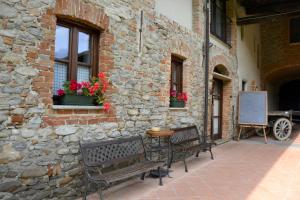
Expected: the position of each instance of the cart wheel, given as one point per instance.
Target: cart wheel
(282, 129)
(260, 132)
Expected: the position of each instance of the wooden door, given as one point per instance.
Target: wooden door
(217, 101)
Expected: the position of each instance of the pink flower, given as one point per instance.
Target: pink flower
(60, 92)
(173, 93)
(85, 84)
(106, 106)
(79, 86)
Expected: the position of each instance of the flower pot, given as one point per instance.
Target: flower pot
(78, 100)
(177, 104)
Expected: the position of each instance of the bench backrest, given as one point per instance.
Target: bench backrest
(112, 151)
(187, 134)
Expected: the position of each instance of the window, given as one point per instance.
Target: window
(75, 54)
(244, 84)
(176, 74)
(295, 30)
(220, 22)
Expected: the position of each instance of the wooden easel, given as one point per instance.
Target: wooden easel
(253, 126)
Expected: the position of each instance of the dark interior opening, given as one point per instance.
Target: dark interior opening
(289, 96)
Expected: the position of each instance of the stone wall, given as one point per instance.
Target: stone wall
(39, 156)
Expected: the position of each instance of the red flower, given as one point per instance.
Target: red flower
(60, 92)
(104, 87)
(179, 97)
(101, 75)
(106, 106)
(94, 88)
(184, 97)
(73, 85)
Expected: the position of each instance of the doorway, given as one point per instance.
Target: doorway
(217, 102)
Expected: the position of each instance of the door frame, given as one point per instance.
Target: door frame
(220, 128)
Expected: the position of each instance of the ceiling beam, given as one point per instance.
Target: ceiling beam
(275, 7)
(258, 18)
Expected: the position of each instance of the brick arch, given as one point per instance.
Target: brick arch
(221, 69)
(220, 62)
(281, 74)
(77, 10)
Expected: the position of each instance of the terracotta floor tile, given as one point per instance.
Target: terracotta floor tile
(245, 170)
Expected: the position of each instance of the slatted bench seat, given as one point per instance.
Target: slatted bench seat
(102, 161)
(187, 140)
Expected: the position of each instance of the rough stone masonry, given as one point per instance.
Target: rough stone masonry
(39, 145)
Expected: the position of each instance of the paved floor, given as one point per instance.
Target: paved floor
(245, 170)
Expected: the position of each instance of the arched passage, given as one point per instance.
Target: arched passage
(283, 85)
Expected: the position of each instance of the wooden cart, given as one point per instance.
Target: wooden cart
(280, 122)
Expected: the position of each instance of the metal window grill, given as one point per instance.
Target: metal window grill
(60, 75)
(83, 73)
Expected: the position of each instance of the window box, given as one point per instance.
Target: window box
(177, 104)
(78, 100)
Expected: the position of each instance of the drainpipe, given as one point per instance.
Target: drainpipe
(206, 63)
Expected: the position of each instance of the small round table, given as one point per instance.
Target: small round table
(162, 134)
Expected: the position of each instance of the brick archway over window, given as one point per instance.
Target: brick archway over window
(77, 10)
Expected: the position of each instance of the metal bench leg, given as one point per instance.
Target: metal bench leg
(160, 178)
(184, 162)
(143, 176)
(185, 166)
(85, 187)
(100, 193)
(211, 154)
(197, 154)
(171, 160)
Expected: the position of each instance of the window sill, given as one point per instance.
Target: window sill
(218, 39)
(71, 107)
(179, 109)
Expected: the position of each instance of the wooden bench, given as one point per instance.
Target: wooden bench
(187, 140)
(102, 161)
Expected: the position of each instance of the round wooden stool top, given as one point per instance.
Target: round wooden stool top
(161, 133)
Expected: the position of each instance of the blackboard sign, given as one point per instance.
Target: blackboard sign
(253, 108)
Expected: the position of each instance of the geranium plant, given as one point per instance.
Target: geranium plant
(178, 96)
(177, 99)
(94, 88)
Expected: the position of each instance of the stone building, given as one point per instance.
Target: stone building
(140, 45)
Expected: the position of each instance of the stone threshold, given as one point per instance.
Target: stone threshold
(71, 107)
(183, 109)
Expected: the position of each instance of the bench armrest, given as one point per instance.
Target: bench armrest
(91, 177)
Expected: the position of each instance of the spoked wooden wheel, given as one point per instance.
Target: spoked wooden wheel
(282, 129)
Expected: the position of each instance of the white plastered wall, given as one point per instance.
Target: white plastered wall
(179, 11)
(248, 54)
